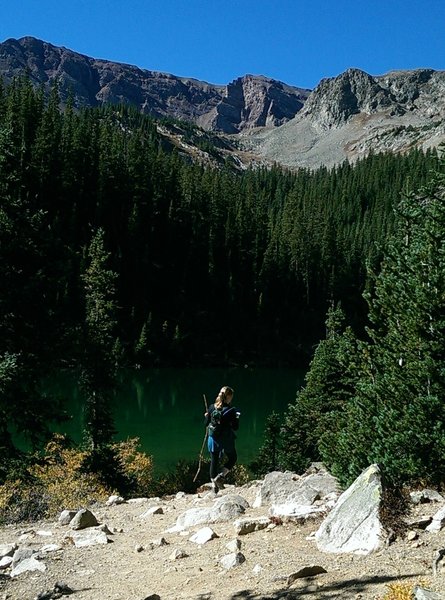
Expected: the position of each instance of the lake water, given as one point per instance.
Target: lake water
(165, 407)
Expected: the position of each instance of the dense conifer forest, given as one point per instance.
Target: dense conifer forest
(116, 250)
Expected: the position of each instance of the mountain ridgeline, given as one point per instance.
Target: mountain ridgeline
(344, 117)
(247, 102)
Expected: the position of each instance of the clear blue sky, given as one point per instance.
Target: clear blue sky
(298, 42)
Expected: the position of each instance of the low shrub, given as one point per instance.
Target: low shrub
(66, 477)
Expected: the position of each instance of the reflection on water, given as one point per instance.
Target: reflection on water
(165, 407)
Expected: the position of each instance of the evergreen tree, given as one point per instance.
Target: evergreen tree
(98, 364)
(397, 414)
(326, 389)
(268, 459)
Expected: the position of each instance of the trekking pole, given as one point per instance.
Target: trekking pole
(203, 443)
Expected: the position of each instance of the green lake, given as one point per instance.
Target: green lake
(165, 407)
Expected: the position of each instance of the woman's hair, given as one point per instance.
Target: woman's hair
(222, 396)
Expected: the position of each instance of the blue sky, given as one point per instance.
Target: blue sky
(298, 42)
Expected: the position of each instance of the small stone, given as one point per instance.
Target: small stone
(177, 554)
(84, 518)
(411, 536)
(309, 571)
(232, 560)
(66, 516)
(7, 549)
(234, 545)
(29, 564)
(112, 500)
(204, 535)
(160, 542)
(5, 562)
(138, 548)
(154, 510)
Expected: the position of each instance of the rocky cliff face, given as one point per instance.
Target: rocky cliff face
(334, 101)
(348, 116)
(253, 101)
(247, 102)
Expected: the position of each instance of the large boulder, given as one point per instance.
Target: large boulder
(303, 490)
(354, 525)
(224, 509)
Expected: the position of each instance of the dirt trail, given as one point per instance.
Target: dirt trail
(133, 566)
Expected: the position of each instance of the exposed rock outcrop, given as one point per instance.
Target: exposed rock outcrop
(347, 116)
(249, 101)
(254, 101)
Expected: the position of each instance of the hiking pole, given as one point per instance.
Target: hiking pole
(203, 443)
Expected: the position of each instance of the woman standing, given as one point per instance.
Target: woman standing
(222, 420)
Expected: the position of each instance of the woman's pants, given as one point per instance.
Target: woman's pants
(215, 460)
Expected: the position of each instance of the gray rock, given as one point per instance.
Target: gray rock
(309, 571)
(66, 516)
(50, 548)
(296, 511)
(113, 500)
(438, 521)
(104, 527)
(160, 542)
(420, 522)
(426, 495)
(288, 488)
(204, 535)
(60, 589)
(5, 562)
(234, 545)
(228, 507)
(192, 517)
(7, 549)
(84, 518)
(224, 509)
(354, 524)
(423, 594)
(177, 554)
(248, 525)
(88, 537)
(28, 564)
(232, 560)
(153, 510)
(22, 554)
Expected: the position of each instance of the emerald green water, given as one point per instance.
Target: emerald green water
(165, 407)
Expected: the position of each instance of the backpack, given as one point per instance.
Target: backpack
(215, 424)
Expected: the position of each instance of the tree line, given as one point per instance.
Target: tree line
(378, 397)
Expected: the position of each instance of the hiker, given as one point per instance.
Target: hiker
(222, 420)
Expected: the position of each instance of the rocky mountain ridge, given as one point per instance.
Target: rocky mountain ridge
(249, 101)
(348, 116)
(343, 118)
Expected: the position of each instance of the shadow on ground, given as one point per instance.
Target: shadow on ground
(339, 589)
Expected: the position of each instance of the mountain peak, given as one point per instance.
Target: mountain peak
(248, 102)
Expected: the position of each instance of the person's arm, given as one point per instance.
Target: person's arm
(234, 418)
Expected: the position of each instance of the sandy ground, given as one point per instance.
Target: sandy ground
(132, 568)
